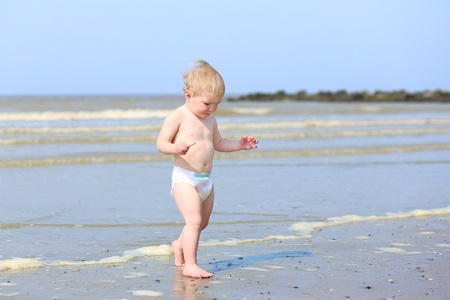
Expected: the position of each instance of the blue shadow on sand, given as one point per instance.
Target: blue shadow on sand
(250, 260)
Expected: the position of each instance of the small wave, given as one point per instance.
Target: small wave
(79, 140)
(109, 114)
(305, 229)
(80, 129)
(28, 263)
(331, 124)
(20, 263)
(225, 126)
(116, 114)
(260, 135)
(335, 134)
(45, 162)
(332, 152)
(245, 111)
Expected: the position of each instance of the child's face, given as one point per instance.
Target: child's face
(202, 105)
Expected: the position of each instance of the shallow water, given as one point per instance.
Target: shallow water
(81, 179)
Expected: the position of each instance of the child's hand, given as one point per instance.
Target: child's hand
(181, 148)
(248, 142)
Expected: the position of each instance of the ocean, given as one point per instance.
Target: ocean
(82, 183)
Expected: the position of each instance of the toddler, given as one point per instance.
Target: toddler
(190, 134)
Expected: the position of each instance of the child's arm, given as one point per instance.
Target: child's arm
(164, 143)
(226, 145)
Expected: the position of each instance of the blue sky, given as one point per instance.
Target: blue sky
(141, 46)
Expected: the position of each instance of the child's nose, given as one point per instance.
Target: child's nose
(213, 108)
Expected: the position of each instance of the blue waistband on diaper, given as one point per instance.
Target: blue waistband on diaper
(202, 175)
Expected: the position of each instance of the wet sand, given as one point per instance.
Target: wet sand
(393, 259)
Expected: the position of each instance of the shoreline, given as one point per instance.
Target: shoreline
(383, 259)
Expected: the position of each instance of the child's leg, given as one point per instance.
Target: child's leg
(178, 250)
(177, 247)
(207, 207)
(191, 207)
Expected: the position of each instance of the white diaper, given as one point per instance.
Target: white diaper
(202, 182)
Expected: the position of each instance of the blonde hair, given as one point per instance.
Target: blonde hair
(202, 77)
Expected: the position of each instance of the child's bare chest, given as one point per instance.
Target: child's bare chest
(196, 129)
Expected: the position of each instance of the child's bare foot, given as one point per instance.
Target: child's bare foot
(196, 271)
(178, 251)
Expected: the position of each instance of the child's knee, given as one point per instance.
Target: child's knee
(195, 222)
(204, 224)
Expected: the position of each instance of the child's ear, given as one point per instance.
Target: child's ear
(188, 94)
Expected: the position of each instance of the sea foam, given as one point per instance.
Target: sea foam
(148, 251)
(146, 293)
(305, 229)
(20, 263)
(28, 263)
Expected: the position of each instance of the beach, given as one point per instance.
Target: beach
(402, 259)
(339, 201)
